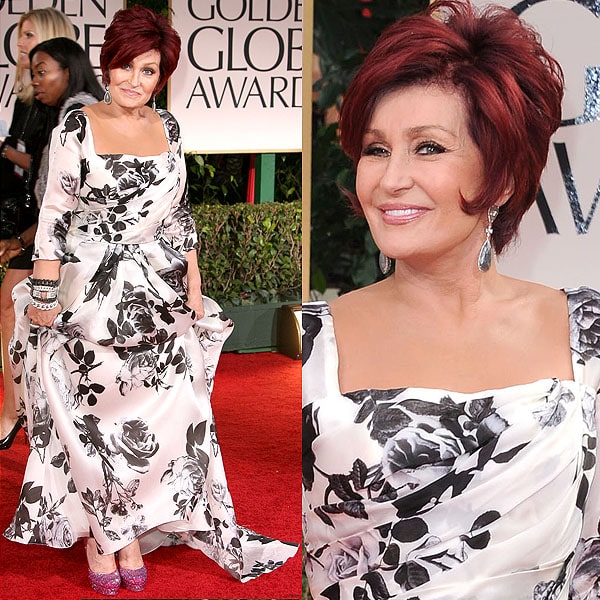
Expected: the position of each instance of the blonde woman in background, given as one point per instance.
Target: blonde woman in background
(20, 152)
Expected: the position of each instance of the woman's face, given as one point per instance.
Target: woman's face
(49, 79)
(27, 40)
(418, 160)
(132, 85)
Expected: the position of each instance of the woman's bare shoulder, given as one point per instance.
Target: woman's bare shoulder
(356, 300)
(531, 293)
(93, 110)
(534, 306)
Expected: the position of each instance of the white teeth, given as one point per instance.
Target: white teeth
(401, 212)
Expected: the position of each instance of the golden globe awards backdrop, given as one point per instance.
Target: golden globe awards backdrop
(559, 241)
(238, 86)
(90, 18)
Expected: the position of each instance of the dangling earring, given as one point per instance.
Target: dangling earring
(385, 263)
(107, 96)
(154, 103)
(484, 261)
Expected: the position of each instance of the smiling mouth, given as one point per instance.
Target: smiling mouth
(401, 216)
(402, 212)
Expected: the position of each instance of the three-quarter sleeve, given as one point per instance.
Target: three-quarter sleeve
(62, 192)
(179, 227)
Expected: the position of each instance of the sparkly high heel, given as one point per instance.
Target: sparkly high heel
(6, 442)
(105, 583)
(134, 580)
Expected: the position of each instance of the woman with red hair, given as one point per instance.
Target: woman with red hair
(115, 348)
(449, 434)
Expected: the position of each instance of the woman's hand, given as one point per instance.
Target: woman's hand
(194, 301)
(194, 284)
(44, 318)
(14, 246)
(9, 248)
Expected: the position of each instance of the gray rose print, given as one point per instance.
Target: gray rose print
(186, 474)
(135, 443)
(138, 368)
(584, 311)
(586, 580)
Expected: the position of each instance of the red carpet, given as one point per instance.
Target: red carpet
(256, 401)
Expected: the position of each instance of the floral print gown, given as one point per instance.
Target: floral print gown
(425, 494)
(115, 396)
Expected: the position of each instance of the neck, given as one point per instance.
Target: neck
(443, 288)
(135, 113)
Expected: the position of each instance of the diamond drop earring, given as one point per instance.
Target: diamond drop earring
(154, 103)
(385, 263)
(107, 96)
(484, 260)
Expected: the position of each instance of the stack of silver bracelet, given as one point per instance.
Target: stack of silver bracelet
(44, 293)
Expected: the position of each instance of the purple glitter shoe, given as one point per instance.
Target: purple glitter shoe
(105, 583)
(134, 580)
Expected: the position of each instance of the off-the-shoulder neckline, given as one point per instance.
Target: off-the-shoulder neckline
(542, 382)
(138, 156)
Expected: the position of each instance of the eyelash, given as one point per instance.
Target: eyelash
(437, 148)
(433, 148)
(146, 71)
(374, 150)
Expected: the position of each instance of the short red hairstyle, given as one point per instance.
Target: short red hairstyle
(511, 86)
(134, 31)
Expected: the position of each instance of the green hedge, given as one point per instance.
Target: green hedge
(250, 253)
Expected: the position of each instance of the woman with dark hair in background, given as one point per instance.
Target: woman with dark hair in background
(62, 77)
(28, 134)
(449, 434)
(115, 348)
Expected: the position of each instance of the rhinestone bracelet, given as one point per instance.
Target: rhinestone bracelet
(43, 305)
(45, 300)
(44, 296)
(45, 282)
(42, 290)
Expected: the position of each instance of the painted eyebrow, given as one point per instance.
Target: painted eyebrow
(414, 131)
(426, 128)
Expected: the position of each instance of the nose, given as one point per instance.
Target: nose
(397, 175)
(135, 77)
